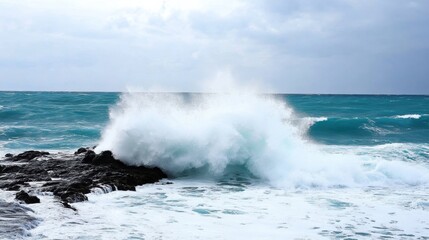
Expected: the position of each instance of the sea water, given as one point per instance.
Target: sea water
(242, 165)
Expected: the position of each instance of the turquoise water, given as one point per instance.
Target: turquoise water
(366, 120)
(39, 120)
(61, 121)
(241, 166)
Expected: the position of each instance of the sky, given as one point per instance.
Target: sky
(294, 46)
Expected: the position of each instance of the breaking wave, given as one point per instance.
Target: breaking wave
(410, 116)
(213, 134)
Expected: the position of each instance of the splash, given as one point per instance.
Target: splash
(259, 134)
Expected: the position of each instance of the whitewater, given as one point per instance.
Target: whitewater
(246, 132)
(241, 165)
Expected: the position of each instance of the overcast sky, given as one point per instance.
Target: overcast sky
(294, 46)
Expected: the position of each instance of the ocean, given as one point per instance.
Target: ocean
(242, 165)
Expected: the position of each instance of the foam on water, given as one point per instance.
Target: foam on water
(239, 210)
(411, 116)
(15, 219)
(258, 134)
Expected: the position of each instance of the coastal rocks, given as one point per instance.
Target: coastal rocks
(26, 198)
(105, 157)
(81, 150)
(12, 185)
(28, 155)
(89, 155)
(69, 177)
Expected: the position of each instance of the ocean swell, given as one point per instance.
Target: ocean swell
(366, 130)
(213, 133)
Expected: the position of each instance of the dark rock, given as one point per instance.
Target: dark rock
(81, 150)
(12, 185)
(51, 183)
(76, 175)
(89, 156)
(8, 155)
(67, 205)
(8, 168)
(14, 188)
(25, 197)
(73, 197)
(28, 155)
(105, 157)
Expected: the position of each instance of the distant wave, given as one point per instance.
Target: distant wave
(11, 114)
(393, 151)
(409, 116)
(371, 128)
(218, 133)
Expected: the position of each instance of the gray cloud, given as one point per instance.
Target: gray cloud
(308, 46)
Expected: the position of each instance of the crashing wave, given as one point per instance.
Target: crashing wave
(213, 133)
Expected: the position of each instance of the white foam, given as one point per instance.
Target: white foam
(397, 152)
(409, 116)
(307, 122)
(253, 131)
(204, 210)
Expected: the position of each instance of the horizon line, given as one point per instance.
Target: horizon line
(196, 92)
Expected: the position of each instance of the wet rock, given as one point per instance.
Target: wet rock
(73, 197)
(105, 157)
(28, 155)
(25, 197)
(8, 168)
(12, 185)
(81, 150)
(14, 188)
(70, 177)
(67, 205)
(89, 156)
(8, 155)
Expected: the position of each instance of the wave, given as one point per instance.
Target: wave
(408, 152)
(409, 116)
(307, 122)
(218, 133)
(7, 114)
(349, 129)
(365, 130)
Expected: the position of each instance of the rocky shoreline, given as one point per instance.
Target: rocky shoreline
(69, 177)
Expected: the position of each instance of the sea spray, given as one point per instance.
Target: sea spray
(210, 133)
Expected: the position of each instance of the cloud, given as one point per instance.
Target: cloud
(334, 46)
